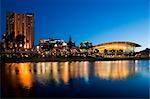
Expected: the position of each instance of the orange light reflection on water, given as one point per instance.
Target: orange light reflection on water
(64, 71)
(22, 73)
(113, 69)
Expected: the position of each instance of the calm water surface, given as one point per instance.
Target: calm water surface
(128, 79)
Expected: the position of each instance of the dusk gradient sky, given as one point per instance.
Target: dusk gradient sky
(97, 21)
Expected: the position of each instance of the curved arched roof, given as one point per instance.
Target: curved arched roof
(130, 43)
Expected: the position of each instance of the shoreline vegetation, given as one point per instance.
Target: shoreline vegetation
(64, 59)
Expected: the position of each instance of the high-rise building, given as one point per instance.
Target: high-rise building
(21, 25)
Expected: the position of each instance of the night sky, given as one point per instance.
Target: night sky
(97, 21)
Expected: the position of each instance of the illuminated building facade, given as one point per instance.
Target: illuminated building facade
(116, 47)
(21, 25)
(47, 44)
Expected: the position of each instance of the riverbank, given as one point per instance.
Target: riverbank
(63, 59)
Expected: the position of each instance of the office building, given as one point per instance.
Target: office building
(20, 26)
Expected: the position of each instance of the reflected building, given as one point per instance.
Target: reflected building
(20, 72)
(114, 69)
(55, 73)
(63, 72)
(43, 72)
(25, 75)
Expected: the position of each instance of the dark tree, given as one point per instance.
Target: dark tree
(105, 51)
(20, 40)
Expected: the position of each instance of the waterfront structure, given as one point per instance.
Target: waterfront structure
(114, 48)
(20, 29)
(47, 44)
(57, 47)
(86, 48)
(52, 47)
(85, 45)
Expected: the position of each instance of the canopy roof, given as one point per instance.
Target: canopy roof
(129, 43)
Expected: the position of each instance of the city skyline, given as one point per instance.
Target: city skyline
(74, 48)
(85, 21)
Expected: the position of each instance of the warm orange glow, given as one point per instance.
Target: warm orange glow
(55, 74)
(112, 70)
(125, 46)
(23, 70)
(65, 73)
(23, 24)
(25, 76)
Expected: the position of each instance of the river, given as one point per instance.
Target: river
(99, 79)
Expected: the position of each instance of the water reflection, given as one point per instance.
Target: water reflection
(62, 72)
(65, 72)
(115, 69)
(20, 72)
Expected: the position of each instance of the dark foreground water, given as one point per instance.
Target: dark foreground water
(105, 79)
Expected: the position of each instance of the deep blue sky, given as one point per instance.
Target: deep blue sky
(98, 21)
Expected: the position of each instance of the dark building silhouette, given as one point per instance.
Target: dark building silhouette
(70, 43)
